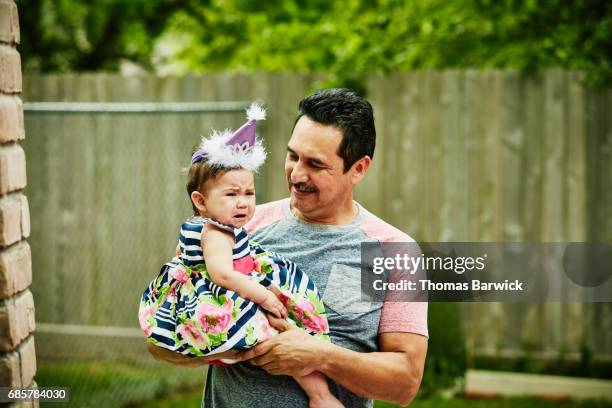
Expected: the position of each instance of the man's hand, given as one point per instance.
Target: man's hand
(392, 374)
(293, 352)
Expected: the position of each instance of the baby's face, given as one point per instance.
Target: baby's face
(230, 198)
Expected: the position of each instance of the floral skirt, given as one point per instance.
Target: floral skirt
(183, 310)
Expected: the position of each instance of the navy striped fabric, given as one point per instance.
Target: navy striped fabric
(190, 240)
(167, 310)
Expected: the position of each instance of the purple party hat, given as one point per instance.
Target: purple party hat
(240, 149)
(244, 137)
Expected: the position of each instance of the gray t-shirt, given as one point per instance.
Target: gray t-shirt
(331, 256)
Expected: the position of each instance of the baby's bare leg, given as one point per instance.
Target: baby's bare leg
(315, 386)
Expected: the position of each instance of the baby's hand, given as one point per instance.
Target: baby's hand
(274, 306)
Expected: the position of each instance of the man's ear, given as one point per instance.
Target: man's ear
(360, 168)
(199, 201)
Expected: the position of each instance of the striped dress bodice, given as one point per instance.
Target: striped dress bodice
(190, 241)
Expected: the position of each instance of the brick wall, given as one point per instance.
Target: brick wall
(17, 356)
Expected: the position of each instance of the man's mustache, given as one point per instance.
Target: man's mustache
(303, 186)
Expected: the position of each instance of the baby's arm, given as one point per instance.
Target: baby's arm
(217, 248)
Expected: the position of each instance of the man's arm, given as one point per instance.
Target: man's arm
(392, 374)
(162, 354)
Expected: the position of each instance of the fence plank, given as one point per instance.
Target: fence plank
(408, 195)
(369, 191)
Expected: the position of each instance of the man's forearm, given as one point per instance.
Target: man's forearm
(184, 361)
(174, 358)
(393, 374)
(388, 375)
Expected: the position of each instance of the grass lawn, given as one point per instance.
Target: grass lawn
(124, 384)
(498, 403)
(193, 400)
(115, 384)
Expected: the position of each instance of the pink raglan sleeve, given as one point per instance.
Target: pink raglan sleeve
(405, 317)
(265, 214)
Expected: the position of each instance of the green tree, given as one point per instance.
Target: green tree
(353, 38)
(348, 39)
(76, 35)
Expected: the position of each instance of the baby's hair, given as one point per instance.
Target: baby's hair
(198, 174)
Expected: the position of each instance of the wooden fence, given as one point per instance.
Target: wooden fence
(461, 156)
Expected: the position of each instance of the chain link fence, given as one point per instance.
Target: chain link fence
(106, 188)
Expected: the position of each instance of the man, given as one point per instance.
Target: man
(378, 348)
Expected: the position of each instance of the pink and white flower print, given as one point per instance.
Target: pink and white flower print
(193, 336)
(215, 319)
(146, 318)
(180, 274)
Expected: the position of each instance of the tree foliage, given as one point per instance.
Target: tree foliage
(76, 35)
(348, 39)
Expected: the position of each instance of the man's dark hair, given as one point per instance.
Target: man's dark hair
(347, 111)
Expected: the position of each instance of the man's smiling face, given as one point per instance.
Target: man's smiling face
(320, 189)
